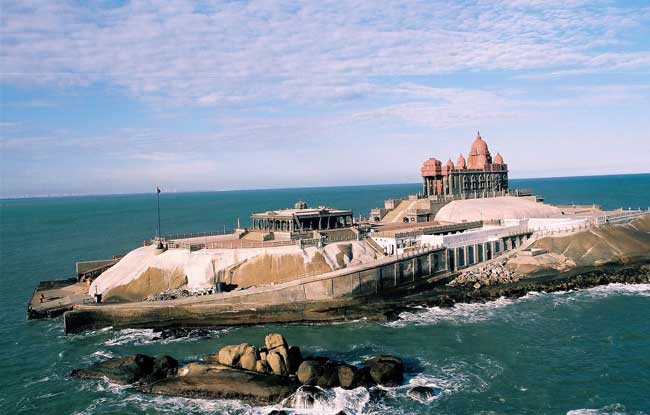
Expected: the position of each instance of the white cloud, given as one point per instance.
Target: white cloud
(184, 53)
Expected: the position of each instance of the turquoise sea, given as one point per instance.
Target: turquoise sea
(581, 352)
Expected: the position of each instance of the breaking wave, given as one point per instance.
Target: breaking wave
(614, 409)
(602, 291)
(461, 313)
(458, 313)
(148, 336)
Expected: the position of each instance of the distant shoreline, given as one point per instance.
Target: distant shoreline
(81, 195)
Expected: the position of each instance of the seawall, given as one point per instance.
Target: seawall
(317, 298)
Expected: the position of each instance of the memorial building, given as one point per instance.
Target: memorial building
(478, 176)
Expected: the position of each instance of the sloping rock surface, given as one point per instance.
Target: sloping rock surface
(216, 381)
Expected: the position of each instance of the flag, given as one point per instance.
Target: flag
(157, 189)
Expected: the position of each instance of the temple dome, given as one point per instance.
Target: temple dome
(479, 154)
(479, 146)
(431, 167)
(498, 159)
(450, 164)
(494, 208)
(460, 162)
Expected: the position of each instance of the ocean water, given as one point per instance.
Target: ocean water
(580, 352)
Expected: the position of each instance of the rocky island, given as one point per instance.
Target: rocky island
(466, 237)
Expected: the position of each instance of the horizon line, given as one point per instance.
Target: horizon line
(63, 195)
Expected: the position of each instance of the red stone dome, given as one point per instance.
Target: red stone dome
(460, 162)
(479, 146)
(479, 154)
(498, 159)
(450, 164)
(431, 167)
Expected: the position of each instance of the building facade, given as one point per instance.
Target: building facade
(478, 176)
(302, 218)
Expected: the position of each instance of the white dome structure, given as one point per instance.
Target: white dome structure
(495, 208)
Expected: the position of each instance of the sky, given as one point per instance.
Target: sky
(121, 96)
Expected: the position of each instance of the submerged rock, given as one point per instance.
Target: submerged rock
(130, 369)
(424, 393)
(177, 333)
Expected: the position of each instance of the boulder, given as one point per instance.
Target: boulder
(424, 393)
(284, 353)
(262, 367)
(231, 355)
(309, 371)
(276, 363)
(350, 377)
(329, 377)
(273, 340)
(386, 370)
(248, 359)
(130, 369)
(216, 381)
(294, 359)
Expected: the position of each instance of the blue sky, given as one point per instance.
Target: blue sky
(117, 97)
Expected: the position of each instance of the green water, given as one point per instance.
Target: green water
(583, 352)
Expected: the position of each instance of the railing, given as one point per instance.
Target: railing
(432, 229)
(383, 261)
(418, 211)
(195, 235)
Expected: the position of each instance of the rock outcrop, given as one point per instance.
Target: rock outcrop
(217, 381)
(259, 375)
(131, 369)
(276, 357)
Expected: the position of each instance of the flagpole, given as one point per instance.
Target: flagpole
(158, 203)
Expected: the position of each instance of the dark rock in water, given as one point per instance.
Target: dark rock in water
(177, 333)
(351, 377)
(386, 370)
(163, 366)
(309, 371)
(216, 381)
(277, 412)
(329, 377)
(294, 359)
(123, 371)
(307, 395)
(424, 393)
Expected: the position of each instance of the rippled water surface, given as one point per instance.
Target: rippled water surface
(580, 352)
